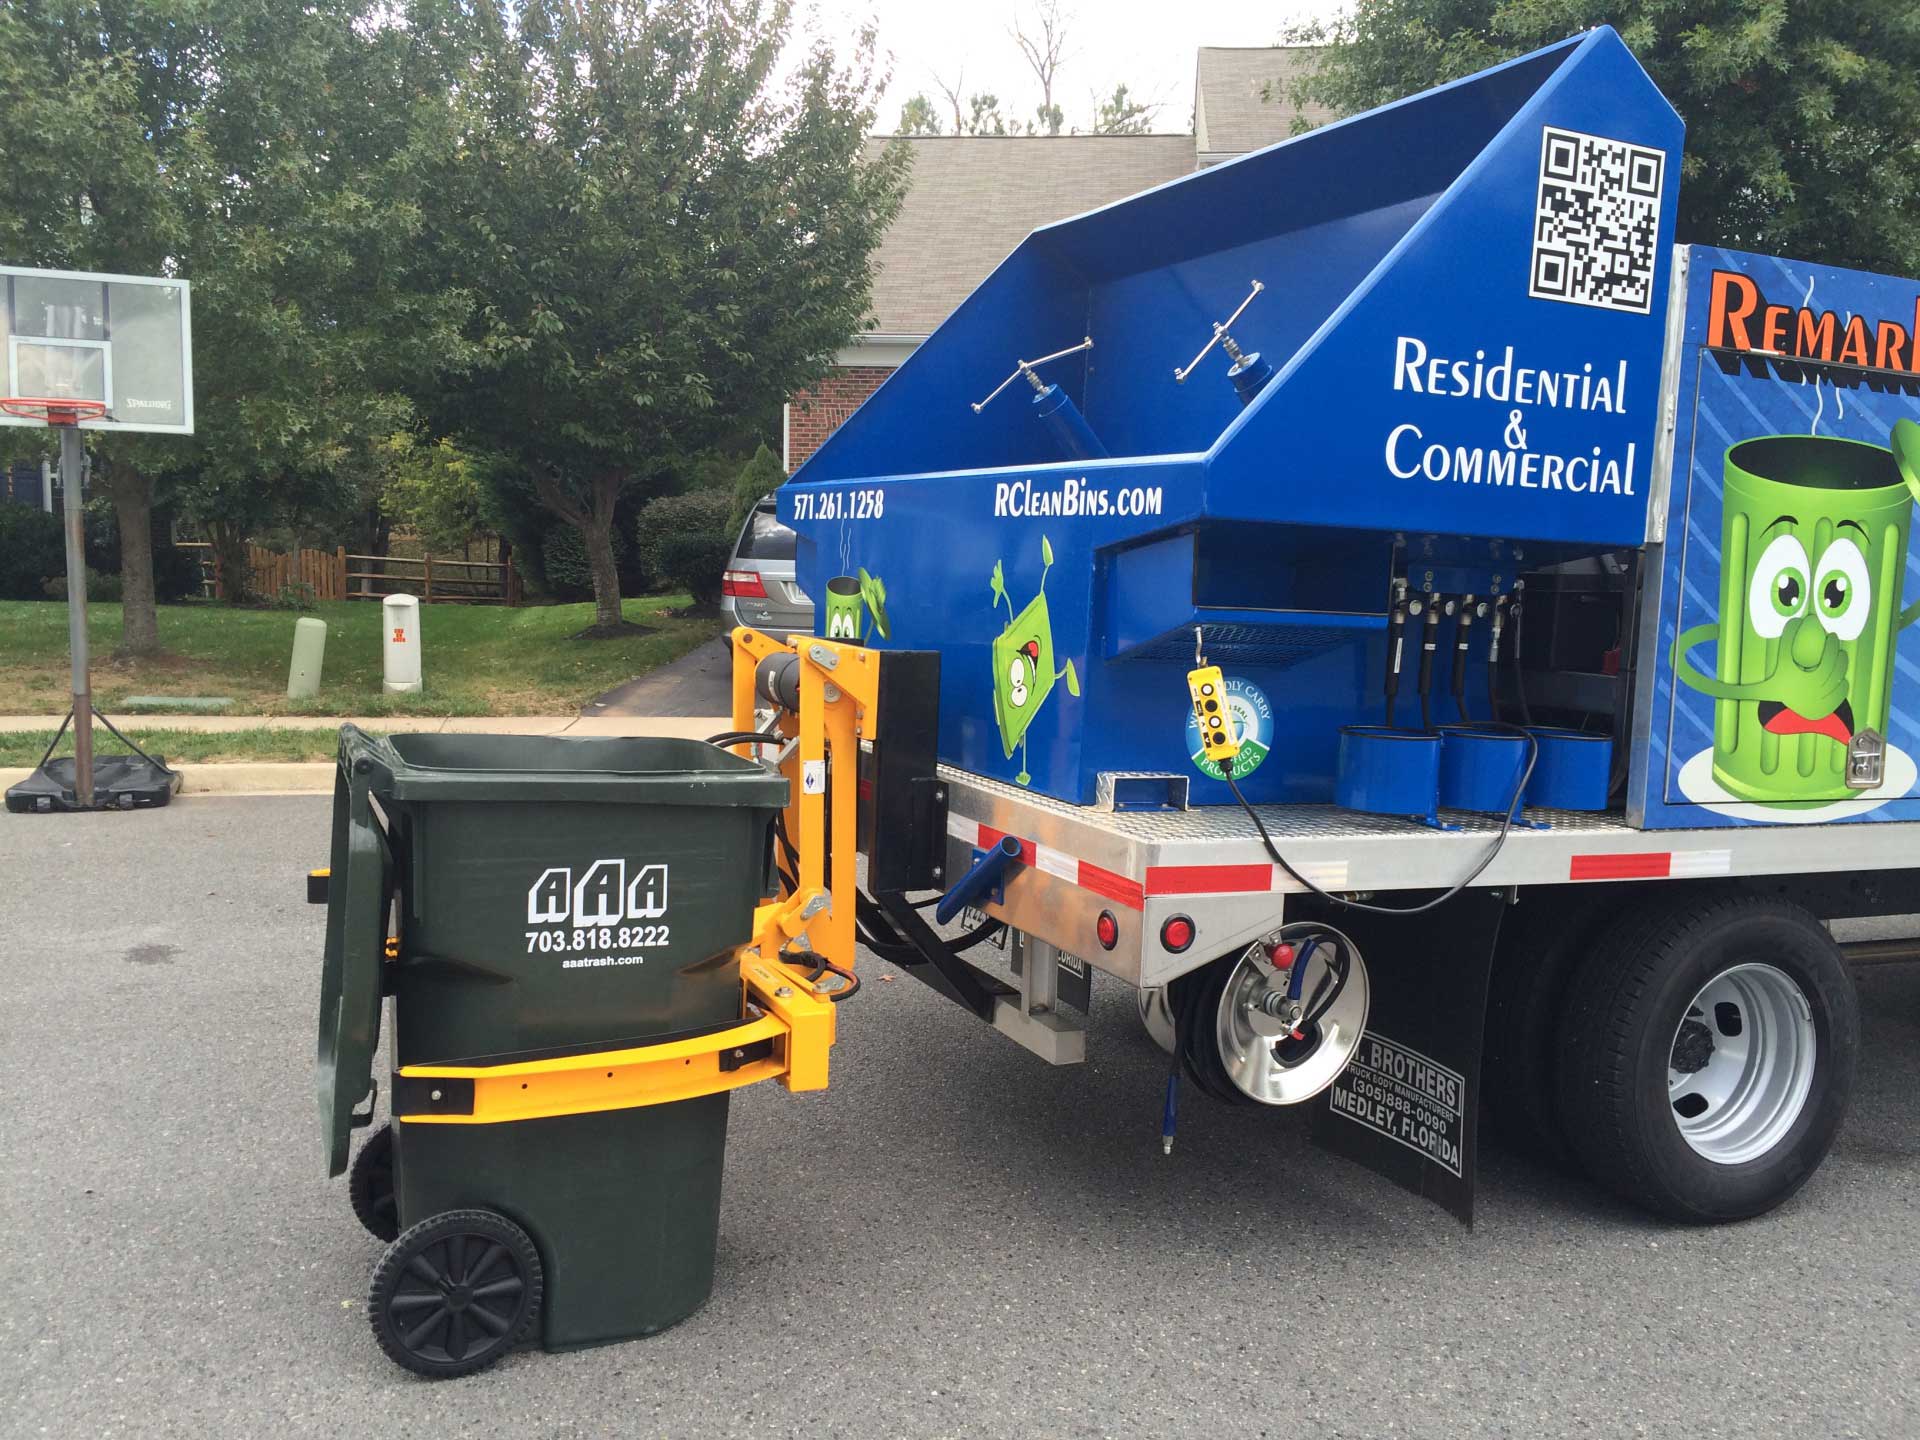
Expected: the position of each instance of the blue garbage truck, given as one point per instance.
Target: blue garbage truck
(1445, 644)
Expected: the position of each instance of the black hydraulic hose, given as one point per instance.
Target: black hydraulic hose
(1493, 850)
(743, 737)
(1520, 660)
(1462, 638)
(1493, 659)
(1429, 637)
(846, 992)
(1396, 635)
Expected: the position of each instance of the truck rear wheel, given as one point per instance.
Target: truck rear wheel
(1541, 944)
(1707, 1052)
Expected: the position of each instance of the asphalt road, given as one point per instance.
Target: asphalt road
(954, 1240)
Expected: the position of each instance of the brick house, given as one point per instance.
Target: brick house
(973, 198)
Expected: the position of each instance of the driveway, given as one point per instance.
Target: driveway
(698, 683)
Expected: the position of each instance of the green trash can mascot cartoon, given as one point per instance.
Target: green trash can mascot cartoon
(850, 600)
(1813, 553)
(1023, 672)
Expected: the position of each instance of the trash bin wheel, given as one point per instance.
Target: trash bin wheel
(455, 1293)
(370, 1186)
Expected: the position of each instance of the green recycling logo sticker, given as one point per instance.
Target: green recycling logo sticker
(1252, 716)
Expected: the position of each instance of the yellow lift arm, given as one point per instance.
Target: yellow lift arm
(788, 1024)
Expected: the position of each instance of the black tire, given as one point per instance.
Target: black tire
(1542, 941)
(456, 1277)
(370, 1186)
(1617, 1036)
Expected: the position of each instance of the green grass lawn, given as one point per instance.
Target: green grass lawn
(24, 748)
(476, 659)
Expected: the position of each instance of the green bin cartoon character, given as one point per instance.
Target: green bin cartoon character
(1023, 672)
(1813, 556)
(850, 600)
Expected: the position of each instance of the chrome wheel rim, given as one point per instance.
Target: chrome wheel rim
(1247, 1035)
(1741, 1064)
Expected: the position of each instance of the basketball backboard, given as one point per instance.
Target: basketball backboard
(125, 341)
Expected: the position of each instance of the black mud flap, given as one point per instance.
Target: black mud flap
(1408, 1106)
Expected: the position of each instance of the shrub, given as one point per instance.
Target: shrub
(563, 556)
(686, 540)
(32, 551)
(295, 595)
(693, 561)
(759, 478)
(104, 588)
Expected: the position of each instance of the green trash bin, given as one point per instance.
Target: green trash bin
(549, 897)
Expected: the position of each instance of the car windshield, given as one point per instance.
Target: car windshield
(765, 538)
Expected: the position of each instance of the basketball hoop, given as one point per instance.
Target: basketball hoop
(53, 411)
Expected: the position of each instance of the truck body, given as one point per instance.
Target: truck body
(1491, 448)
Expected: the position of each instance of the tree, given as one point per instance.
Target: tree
(759, 478)
(1801, 135)
(984, 117)
(1121, 114)
(434, 488)
(658, 237)
(272, 155)
(918, 117)
(951, 94)
(103, 171)
(1042, 41)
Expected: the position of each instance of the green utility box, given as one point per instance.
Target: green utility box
(527, 900)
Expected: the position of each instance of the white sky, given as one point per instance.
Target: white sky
(1149, 44)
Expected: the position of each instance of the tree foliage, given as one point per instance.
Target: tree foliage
(275, 156)
(658, 235)
(435, 489)
(759, 478)
(1802, 137)
(918, 117)
(1121, 114)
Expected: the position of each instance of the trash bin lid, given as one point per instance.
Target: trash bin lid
(602, 769)
(358, 894)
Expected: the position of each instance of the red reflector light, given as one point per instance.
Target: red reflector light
(743, 584)
(1108, 929)
(1177, 934)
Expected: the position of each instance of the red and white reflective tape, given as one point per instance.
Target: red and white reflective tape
(1088, 876)
(1651, 865)
(1161, 880)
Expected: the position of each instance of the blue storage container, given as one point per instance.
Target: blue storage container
(1383, 771)
(1480, 767)
(1573, 770)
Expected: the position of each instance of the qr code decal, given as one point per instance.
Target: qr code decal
(1597, 221)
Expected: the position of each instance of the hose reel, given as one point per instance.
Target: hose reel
(1255, 1028)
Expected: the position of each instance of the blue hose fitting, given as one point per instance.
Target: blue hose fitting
(984, 876)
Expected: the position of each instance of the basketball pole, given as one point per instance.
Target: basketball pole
(72, 462)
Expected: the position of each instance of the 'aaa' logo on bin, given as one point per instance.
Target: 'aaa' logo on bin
(601, 896)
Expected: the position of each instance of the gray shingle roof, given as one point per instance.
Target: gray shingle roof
(973, 198)
(1230, 110)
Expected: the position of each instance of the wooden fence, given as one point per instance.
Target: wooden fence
(339, 575)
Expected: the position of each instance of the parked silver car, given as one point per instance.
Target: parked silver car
(759, 589)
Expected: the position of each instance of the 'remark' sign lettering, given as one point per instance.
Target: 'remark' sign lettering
(1741, 318)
